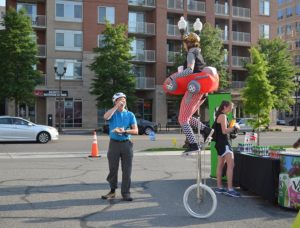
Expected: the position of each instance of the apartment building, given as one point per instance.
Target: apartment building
(2, 12)
(288, 17)
(71, 29)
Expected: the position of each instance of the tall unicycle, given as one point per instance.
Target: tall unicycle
(199, 200)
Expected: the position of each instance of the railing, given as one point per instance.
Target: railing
(172, 30)
(238, 84)
(142, 28)
(171, 56)
(147, 3)
(224, 35)
(240, 12)
(175, 4)
(221, 9)
(196, 6)
(239, 61)
(241, 36)
(145, 83)
(42, 51)
(144, 56)
(38, 20)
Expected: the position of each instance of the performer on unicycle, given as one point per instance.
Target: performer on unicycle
(191, 102)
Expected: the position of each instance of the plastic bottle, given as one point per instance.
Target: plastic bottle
(152, 136)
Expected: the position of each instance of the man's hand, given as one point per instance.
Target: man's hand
(119, 130)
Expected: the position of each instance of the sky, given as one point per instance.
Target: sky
(2, 2)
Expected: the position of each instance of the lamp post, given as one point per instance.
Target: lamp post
(197, 26)
(182, 24)
(60, 75)
(297, 82)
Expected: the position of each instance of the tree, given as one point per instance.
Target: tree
(258, 95)
(112, 67)
(213, 52)
(18, 51)
(281, 71)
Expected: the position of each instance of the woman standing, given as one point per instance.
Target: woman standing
(223, 147)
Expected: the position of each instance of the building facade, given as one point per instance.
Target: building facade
(67, 31)
(288, 17)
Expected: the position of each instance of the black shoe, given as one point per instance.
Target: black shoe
(192, 148)
(127, 198)
(110, 195)
(207, 133)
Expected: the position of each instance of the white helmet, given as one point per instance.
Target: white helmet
(118, 95)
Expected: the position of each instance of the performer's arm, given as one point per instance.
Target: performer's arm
(189, 69)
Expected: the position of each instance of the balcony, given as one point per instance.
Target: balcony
(143, 3)
(38, 21)
(171, 56)
(172, 30)
(43, 80)
(42, 51)
(175, 4)
(145, 83)
(195, 6)
(241, 37)
(239, 61)
(142, 28)
(224, 35)
(221, 9)
(241, 12)
(144, 56)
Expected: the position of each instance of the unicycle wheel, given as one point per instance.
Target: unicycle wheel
(200, 203)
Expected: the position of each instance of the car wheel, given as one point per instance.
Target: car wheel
(148, 130)
(43, 137)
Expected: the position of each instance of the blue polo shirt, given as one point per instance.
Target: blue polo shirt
(119, 119)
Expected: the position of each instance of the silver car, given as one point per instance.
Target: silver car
(19, 129)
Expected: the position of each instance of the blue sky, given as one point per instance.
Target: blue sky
(2, 2)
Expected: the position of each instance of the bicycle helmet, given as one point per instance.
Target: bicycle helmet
(191, 37)
(118, 95)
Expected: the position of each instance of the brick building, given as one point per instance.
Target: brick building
(67, 32)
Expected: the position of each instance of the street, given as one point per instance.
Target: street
(65, 192)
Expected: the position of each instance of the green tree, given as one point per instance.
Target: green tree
(258, 95)
(281, 71)
(112, 67)
(213, 52)
(18, 51)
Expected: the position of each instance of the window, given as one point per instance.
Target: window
(264, 7)
(68, 11)
(136, 22)
(280, 14)
(297, 43)
(297, 26)
(288, 29)
(289, 12)
(280, 30)
(71, 112)
(74, 69)
(298, 9)
(67, 40)
(264, 31)
(106, 13)
(297, 60)
(31, 9)
(101, 38)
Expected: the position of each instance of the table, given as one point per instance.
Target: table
(258, 175)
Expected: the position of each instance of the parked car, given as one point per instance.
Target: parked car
(244, 125)
(144, 126)
(281, 122)
(292, 122)
(19, 129)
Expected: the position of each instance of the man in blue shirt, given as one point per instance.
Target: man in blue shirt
(122, 124)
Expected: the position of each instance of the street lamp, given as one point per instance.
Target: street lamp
(182, 24)
(60, 75)
(197, 26)
(297, 82)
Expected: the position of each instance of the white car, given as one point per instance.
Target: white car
(19, 129)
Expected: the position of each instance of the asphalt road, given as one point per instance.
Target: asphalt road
(65, 192)
(83, 143)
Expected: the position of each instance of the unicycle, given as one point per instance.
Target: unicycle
(199, 200)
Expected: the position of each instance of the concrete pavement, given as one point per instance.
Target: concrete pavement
(65, 192)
